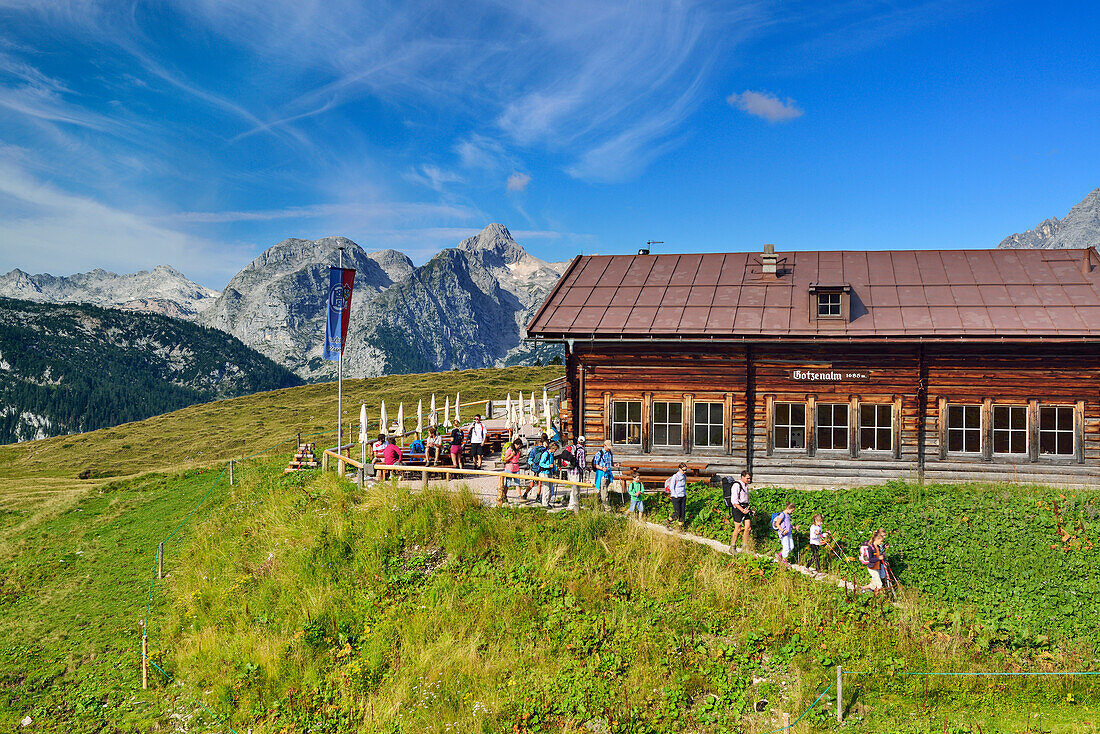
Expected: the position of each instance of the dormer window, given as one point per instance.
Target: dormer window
(830, 302)
(828, 305)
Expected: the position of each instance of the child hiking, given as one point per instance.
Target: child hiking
(781, 521)
(870, 555)
(817, 532)
(636, 490)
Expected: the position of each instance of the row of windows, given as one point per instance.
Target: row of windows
(668, 424)
(1011, 429)
(1011, 432)
(876, 426)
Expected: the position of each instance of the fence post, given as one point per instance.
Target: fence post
(840, 694)
(144, 661)
(230, 472)
(324, 462)
(786, 720)
(340, 470)
(424, 479)
(500, 491)
(160, 560)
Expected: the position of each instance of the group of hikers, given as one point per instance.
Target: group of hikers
(872, 553)
(548, 457)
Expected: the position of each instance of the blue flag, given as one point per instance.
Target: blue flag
(340, 282)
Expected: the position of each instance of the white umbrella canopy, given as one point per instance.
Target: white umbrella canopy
(419, 417)
(447, 410)
(534, 410)
(401, 419)
(508, 411)
(546, 410)
(457, 419)
(382, 422)
(432, 413)
(363, 437)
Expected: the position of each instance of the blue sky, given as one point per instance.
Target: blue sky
(198, 133)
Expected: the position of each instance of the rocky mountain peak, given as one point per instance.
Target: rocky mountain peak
(1079, 228)
(497, 243)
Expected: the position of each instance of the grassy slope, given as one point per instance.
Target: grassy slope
(390, 612)
(1024, 559)
(74, 582)
(225, 429)
(68, 621)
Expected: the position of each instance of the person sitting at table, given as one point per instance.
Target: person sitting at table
(433, 447)
(378, 447)
(391, 454)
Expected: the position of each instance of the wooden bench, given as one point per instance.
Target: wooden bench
(650, 472)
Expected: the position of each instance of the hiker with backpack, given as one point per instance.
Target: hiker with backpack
(676, 486)
(534, 461)
(576, 474)
(510, 459)
(871, 556)
(781, 522)
(738, 504)
(548, 463)
(602, 464)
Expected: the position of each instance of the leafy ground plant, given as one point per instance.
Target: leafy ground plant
(1020, 559)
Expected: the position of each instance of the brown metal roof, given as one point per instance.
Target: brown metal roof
(914, 293)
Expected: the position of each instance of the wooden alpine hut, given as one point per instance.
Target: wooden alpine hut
(837, 368)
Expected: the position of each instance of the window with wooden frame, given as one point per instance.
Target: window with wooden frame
(832, 426)
(789, 425)
(1010, 429)
(876, 427)
(707, 432)
(964, 429)
(668, 424)
(830, 302)
(626, 422)
(1056, 430)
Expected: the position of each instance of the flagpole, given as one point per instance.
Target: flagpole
(340, 385)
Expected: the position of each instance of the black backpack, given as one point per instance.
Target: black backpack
(595, 456)
(566, 457)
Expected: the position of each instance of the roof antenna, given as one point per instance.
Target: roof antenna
(645, 250)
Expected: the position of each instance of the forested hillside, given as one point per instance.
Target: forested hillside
(70, 368)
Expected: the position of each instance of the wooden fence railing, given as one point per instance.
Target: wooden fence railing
(381, 470)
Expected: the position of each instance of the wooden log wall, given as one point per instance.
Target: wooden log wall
(973, 374)
(715, 375)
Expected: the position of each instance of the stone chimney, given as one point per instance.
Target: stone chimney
(769, 262)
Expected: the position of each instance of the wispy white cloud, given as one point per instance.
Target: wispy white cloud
(766, 105)
(433, 177)
(389, 210)
(518, 181)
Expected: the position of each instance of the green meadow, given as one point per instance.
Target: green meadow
(297, 603)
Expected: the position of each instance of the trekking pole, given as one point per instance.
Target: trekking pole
(894, 585)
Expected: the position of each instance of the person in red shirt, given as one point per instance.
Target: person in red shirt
(391, 454)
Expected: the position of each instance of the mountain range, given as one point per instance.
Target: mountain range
(466, 307)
